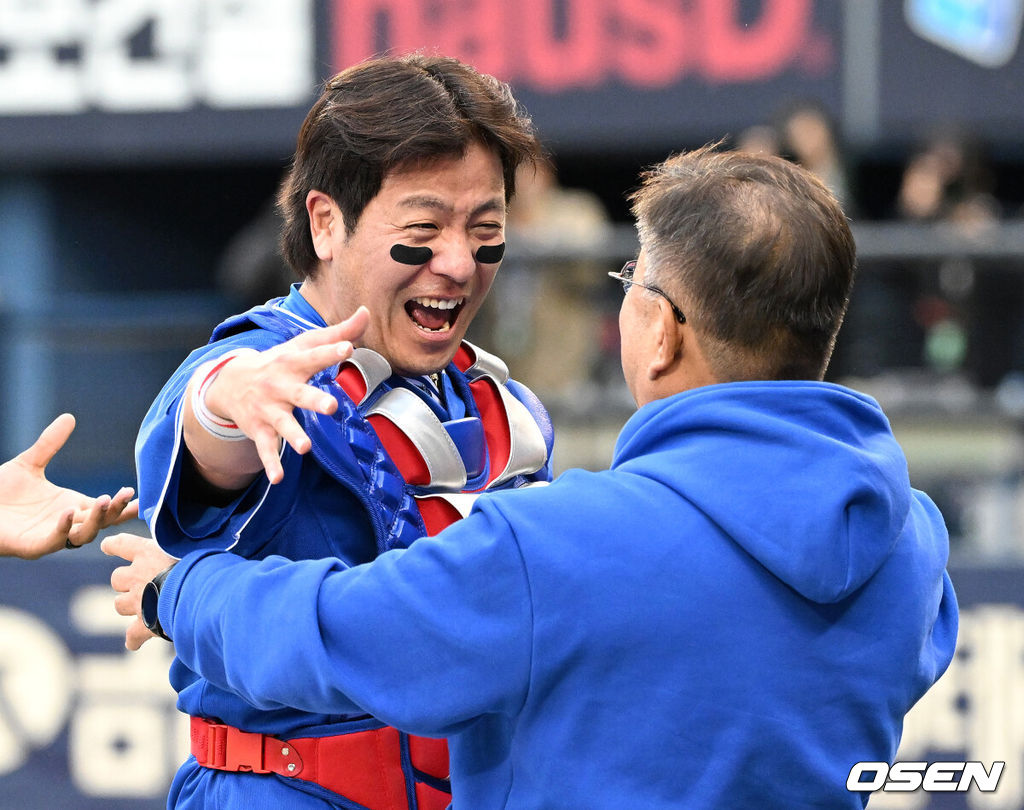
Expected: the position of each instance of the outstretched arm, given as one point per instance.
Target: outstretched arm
(237, 412)
(38, 517)
(453, 643)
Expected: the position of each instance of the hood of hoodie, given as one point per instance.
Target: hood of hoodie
(805, 476)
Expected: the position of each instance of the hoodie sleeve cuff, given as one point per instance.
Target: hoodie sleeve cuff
(173, 584)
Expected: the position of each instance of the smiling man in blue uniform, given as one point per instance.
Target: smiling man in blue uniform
(742, 607)
(349, 417)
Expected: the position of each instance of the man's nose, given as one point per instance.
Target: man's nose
(453, 257)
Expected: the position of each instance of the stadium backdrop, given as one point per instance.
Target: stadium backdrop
(133, 82)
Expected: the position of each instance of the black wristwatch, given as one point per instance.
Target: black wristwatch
(151, 601)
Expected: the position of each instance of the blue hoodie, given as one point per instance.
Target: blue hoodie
(746, 604)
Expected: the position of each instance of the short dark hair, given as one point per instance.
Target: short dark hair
(388, 113)
(760, 253)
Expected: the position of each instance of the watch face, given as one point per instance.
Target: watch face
(150, 604)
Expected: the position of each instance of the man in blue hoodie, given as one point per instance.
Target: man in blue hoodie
(745, 605)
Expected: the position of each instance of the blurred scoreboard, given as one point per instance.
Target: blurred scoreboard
(69, 56)
(122, 80)
(127, 80)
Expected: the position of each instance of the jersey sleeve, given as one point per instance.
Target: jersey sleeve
(175, 513)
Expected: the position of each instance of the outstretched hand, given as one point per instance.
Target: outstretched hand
(37, 517)
(146, 560)
(258, 391)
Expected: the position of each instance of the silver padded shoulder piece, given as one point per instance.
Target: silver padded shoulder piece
(486, 364)
(374, 368)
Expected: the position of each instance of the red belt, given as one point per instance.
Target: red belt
(363, 766)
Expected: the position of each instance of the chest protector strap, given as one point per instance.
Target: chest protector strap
(375, 769)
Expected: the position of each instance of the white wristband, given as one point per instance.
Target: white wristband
(201, 381)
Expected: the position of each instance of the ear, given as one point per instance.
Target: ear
(325, 220)
(668, 340)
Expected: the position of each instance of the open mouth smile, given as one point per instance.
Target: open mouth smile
(434, 314)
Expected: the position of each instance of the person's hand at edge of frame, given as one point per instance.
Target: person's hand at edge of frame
(38, 517)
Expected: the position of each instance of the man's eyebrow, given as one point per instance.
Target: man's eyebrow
(426, 201)
(496, 204)
(423, 201)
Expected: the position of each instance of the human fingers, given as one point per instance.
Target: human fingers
(60, 536)
(64, 524)
(136, 635)
(291, 431)
(128, 604)
(268, 448)
(131, 578)
(35, 546)
(128, 583)
(85, 529)
(131, 511)
(348, 330)
(321, 337)
(323, 347)
(309, 398)
(121, 507)
(356, 324)
(49, 442)
(125, 545)
(308, 361)
(273, 379)
(301, 357)
(147, 560)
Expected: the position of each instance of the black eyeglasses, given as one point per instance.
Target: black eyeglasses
(625, 275)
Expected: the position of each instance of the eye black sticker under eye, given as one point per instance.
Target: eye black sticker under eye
(411, 255)
(490, 254)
